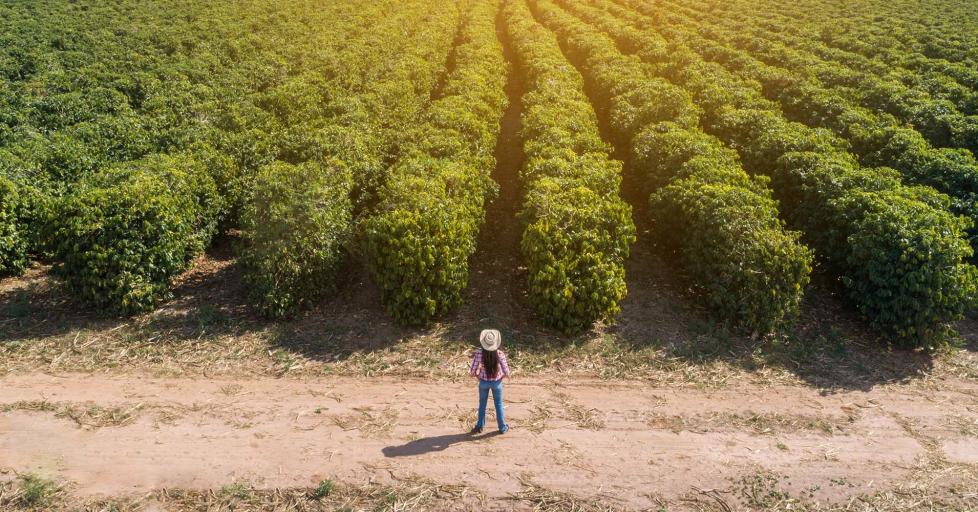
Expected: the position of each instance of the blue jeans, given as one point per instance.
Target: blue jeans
(496, 386)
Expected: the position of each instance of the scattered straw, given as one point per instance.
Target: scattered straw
(758, 423)
(210, 330)
(86, 416)
(369, 422)
(543, 499)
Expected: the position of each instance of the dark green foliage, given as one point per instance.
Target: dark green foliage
(902, 254)
(578, 230)
(574, 245)
(906, 257)
(13, 241)
(878, 134)
(39, 206)
(131, 131)
(294, 239)
(430, 212)
(863, 221)
(748, 268)
(720, 225)
(930, 95)
(419, 251)
(295, 228)
(93, 87)
(232, 185)
(125, 233)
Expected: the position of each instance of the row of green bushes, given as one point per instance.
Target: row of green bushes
(239, 103)
(940, 79)
(874, 87)
(299, 221)
(295, 229)
(948, 35)
(852, 38)
(925, 57)
(898, 250)
(578, 229)
(431, 209)
(722, 224)
(879, 140)
(13, 239)
(893, 45)
(125, 232)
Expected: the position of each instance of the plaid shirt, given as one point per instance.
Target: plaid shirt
(478, 369)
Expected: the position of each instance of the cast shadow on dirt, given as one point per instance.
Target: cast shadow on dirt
(209, 301)
(434, 444)
(36, 305)
(661, 323)
(829, 347)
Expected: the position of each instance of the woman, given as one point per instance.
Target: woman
(489, 365)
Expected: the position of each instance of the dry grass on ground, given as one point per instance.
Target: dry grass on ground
(934, 487)
(405, 494)
(208, 329)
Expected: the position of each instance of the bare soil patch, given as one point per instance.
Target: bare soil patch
(209, 330)
(614, 445)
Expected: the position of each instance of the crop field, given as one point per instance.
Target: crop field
(247, 247)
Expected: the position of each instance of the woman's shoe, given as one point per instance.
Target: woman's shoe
(504, 429)
(476, 430)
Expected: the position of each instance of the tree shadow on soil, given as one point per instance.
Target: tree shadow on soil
(351, 320)
(35, 305)
(209, 301)
(968, 330)
(661, 323)
(828, 347)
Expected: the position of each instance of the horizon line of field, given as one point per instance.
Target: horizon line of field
(443, 72)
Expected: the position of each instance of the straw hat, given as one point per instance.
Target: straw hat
(490, 339)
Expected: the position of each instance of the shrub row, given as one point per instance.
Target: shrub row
(878, 139)
(236, 92)
(432, 207)
(13, 240)
(124, 230)
(722, 224)
(123, 235)
(578, 229)
(946, 35)
(84, 134)
(864, 39)
(938, 121)
(900, 253)
(290, 259)
(942, 82)
(901, 250)
(295, 229)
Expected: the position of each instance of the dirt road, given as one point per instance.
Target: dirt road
(620, 441)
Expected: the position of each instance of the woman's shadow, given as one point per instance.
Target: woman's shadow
(433, 444)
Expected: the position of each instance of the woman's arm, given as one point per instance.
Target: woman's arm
(503, 365)
(476, 362)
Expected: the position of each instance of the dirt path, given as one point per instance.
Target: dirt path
(638, 444)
